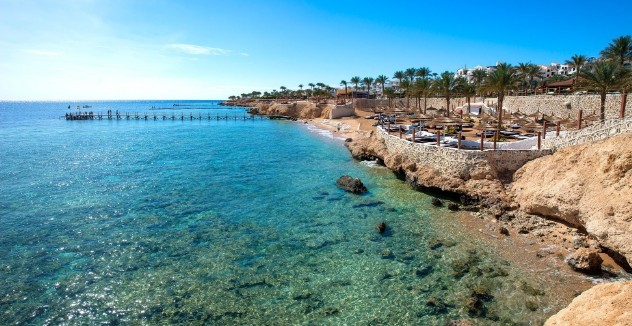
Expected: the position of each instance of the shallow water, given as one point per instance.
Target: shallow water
(227, 222)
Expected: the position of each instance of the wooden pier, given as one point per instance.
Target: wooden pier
(155, 116)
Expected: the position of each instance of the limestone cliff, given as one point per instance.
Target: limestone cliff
(587, 186)
(299, 110)
(604, 304)
(475, 181)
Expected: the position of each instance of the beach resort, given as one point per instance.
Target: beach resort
(315, 163)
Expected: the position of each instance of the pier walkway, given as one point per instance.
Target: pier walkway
(156, 116)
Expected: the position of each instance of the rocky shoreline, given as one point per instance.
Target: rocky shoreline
(591, 236)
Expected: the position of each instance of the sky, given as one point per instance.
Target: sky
(187, 49)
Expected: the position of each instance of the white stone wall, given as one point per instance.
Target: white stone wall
(340, 111)
(590, 134)
(460, 162)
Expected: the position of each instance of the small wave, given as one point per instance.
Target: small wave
(372, 164)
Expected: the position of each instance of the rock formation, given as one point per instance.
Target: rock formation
(587, 186)
(604, 304)
(299, 110)
(351, 184)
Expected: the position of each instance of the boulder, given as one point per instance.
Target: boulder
(504, 231)
(603, 304)
(351, 184)
(585, 260)
(436, 202)
(453, 206)
(381, 227)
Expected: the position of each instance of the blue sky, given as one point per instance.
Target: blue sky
(158, 49)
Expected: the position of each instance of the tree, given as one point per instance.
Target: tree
(523, 70)
(390, 93)
(344, 83)
(603, 77)
(446, 84)
(367, 82)
(381, 79)
(468, 90)
(619, 50)
(478, 76)
(533, 72)
(423, 86)
(423, 72)
(399, 75)
(577, 61)
(355, 81)
(500, 81)
(410, 74)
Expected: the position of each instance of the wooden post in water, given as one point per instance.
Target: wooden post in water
(539, 140)
(482, 138)
(579, 119)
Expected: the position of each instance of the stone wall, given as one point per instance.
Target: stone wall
(557, 104)
(548, 104)
(590, 134)
(460, 162)
(340, 111)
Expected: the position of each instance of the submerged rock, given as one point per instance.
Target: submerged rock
(436, 202)
(585, 260)
(381, 227)
(504, 231)
(351, 184)
(453, 206)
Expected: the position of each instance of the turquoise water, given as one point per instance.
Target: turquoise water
(225, 222)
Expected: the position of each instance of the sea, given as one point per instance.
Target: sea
(228, 220)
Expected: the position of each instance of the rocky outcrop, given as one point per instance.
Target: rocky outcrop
(604, 304)
(299, 110)
(475, 181)
(587, 186)
(351, 184)
(585, 260)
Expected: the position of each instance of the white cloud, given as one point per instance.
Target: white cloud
(44, 53)
(198, 50)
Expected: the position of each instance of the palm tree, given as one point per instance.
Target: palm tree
(603, 77)
(523, 70)
(423, 72)
(478, 76)
(381, 79)
(406, 85)
(390, 93)
(410, 73)
(344, 83)
(533, 72)
(423, 86)
(399, 75)
(468, 90)
(620, 49)
(577, 61)
(283, 91)
(499, 81)
(367, 82)
(355, 80)
(446, 85)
